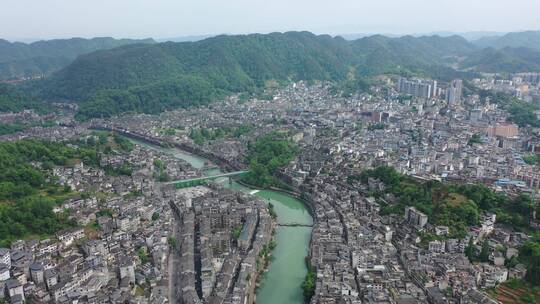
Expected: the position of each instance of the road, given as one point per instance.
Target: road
(172, 268)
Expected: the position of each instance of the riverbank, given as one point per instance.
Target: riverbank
(221, 162)
(267, 259)
(296, 194)
(282, 282)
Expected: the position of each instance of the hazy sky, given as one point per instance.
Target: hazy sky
(45, 19)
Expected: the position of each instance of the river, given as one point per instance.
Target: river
(282, 283)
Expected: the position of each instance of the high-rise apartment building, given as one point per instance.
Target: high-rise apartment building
(418, 87)
(454, 91)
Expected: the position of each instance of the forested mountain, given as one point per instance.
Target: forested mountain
(408, 54)
(14, 99)
(154, 77)
(236, 63)
(230, 63)
(509, 60)
(528, 39)
(44, 57)
(151, 78)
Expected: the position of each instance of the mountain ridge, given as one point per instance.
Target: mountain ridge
(20, 60)
(526, 39)
(154, 77)
(505, 60)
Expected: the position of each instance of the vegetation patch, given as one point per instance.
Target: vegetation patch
(452, 205)
(520, 112)
(308, 286)
(515, 291)
(202, 135)
(28, 189)
(266, 156)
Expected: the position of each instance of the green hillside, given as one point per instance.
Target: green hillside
(507, 60)
(13, 99)
(152, 78)
(527, 39)
(429, 55)
(231, 63)
(44, 57)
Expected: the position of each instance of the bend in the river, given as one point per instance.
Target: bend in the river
(282, 283)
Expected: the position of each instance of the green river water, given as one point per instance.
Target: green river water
(282, 283)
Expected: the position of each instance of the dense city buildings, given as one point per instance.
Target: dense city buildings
(306, 152)
(139, 239)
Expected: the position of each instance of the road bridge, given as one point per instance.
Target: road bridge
(192, 182)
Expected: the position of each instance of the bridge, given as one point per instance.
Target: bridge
(192, 182)
(295, 224)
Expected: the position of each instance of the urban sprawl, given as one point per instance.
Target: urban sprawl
(138, 238)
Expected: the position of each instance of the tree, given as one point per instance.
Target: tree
(11, 128)
(377, 126)
(529, 253)
(163, 177)
(272, 211)
(475, 139)
(266, 156)
(308, 286)
(531, 159)
(143, 256)
(453, 205)
(484, 252)
(470, 250)
(30, 191)
(236, 232)
(173, 242)
(523, 114)
(13, 99)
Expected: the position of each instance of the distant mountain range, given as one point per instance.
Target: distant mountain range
(245, 62)
(470, 36)
(507, 59)
(152, 77)
(529, 39)
(191, 38)
(19, 60)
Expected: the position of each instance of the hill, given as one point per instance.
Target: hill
(14, 99)
(428, 55)
(18, 60)
(528, 39)
(470, 36)
(507, 60)
(230, 63)
(184, 38)
(154, 77)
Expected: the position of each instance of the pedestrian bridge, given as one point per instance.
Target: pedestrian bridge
(192, 182)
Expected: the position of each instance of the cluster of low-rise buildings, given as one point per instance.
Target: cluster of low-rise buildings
(438, 133)
(207, 244)
(522, 85)
(120, 249)
(224, 240)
